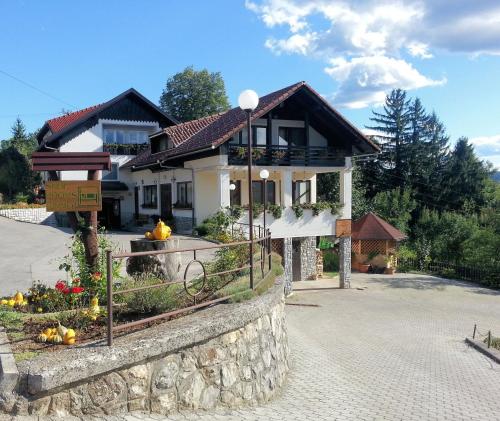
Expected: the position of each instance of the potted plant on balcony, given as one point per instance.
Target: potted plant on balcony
(390, 267)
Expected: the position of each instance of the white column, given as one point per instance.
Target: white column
(313, 189)
(286, 188)
(223, 192)
(346, 191)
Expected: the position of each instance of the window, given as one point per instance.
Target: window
(150, 196)
(111, 175)
(293, 136)
(259, 136)
(185, 194)
(124, 136)
(235, 195)
(258, 192)
(301, 192)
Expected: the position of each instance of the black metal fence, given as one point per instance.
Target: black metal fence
(487, 275)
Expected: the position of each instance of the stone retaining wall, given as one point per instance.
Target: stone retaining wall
(31, 215)
(228, 356)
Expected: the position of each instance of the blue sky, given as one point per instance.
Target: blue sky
(353, 53)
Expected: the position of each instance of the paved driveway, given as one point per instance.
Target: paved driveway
(30, 252)
(391, 351)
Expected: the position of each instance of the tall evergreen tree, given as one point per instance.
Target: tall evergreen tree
(465, 178)
(394, 124)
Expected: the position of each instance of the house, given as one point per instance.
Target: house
(193, 169)
(374, 240)
(120, 126)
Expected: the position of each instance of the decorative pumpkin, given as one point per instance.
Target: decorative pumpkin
(39, 310)
(4, 302)
(94, 302)
(149, 235)
(11, 302)
(162, 231)
(57, 339)
(48, 332)
(69, 337)
(61, 330)
(42, 338)
(18, 298)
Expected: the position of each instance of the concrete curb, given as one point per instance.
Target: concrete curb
(8, 368)
(482, 348)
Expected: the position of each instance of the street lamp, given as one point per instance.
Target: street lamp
(248, 101)
(264, 174)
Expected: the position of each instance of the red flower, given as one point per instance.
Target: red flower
(76, 281)
(66, 290)
(60, 285)
(96, 276)
(77, 290)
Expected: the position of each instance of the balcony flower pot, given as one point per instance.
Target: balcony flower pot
(363, 267)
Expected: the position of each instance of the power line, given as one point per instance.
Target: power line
(36, 89)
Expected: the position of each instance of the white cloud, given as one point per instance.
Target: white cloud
(488, 148)
(353, 37)
(365, 80)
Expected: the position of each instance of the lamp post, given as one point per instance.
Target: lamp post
(264, 174)
(248, 101)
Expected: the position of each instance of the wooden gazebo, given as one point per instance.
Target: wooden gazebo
(371, 235)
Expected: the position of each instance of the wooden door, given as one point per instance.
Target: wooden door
(166, 201)
(296, 263)
(136, 202)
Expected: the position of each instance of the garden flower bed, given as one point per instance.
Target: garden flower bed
(32, 319)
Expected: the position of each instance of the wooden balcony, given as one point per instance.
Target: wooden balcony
(312, 156)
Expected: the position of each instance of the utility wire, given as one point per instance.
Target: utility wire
(36, 89)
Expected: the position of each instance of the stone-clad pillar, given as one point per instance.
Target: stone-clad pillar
(345, 262)
(287, 264)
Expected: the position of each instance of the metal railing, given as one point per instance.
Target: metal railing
(263, 240)
(486, 338)
(285, 155)
(446, 269)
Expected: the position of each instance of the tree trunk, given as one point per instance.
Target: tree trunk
(165, 266)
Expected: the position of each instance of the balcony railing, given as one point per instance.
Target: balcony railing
(124, 148)
(284, 155)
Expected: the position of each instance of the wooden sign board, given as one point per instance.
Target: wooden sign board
(73, 196)
(342, 228)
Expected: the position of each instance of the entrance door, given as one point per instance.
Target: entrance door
(166, 201)
(110, 216)
(296, 266)
(136, 202)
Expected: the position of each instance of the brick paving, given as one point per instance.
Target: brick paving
(391, 351)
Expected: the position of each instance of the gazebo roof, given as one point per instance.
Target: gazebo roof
(373, 227)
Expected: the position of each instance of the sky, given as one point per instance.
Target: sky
(57, 55)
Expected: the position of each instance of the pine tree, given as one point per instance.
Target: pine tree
(394, 124)
(465, 178)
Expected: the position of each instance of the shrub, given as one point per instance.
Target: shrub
(275, 210)
(330, 261)
(150, 301)
(298, 211)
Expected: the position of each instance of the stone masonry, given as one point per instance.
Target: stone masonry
(287, 264)
(308, 258)
(241, 367)
(345, 262)
(31, 215)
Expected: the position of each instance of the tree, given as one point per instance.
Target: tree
(465, 178)
(394, 124)
(192, 94)
(16, 176)
(23, 141)
(396, 207)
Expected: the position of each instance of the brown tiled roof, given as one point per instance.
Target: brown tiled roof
(212, 131)
(59, 123)
(373, 227)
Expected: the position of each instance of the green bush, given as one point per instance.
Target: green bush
(330, 261)
(275, 210)
(150, 301)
